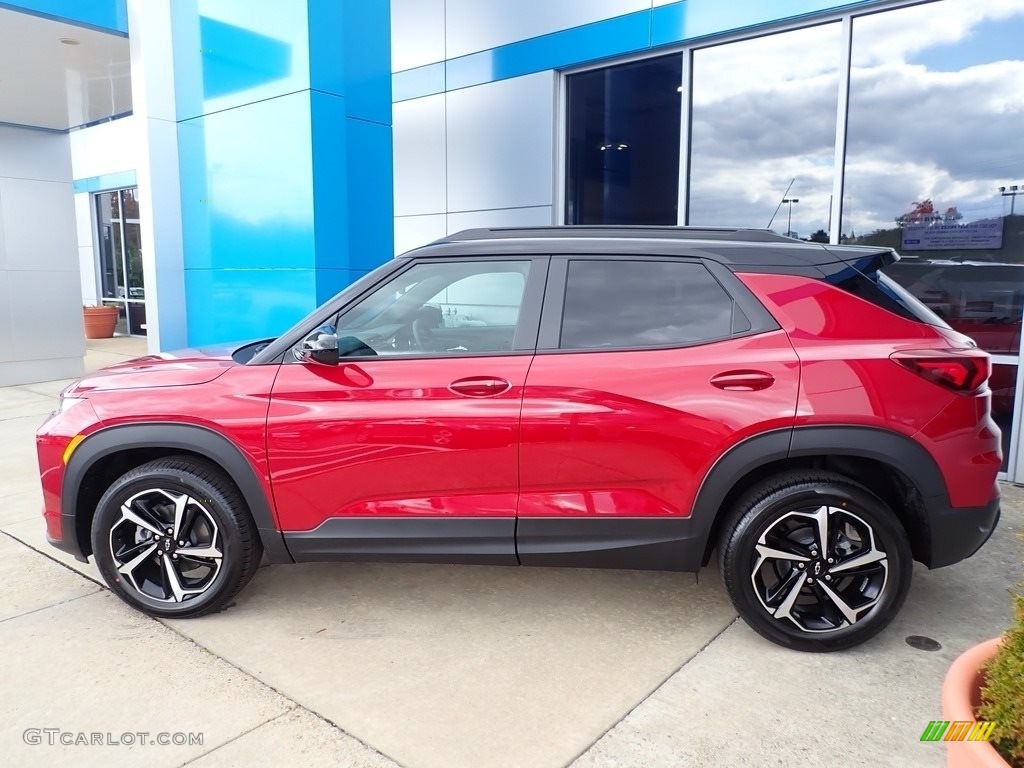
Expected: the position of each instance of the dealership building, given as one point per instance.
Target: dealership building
(217, 168)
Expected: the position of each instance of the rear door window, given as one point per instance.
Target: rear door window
(645, 303)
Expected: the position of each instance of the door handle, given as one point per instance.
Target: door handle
(480, 386)
(742, 381)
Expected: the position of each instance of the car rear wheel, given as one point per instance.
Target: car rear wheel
(814, 561)
(174, 538)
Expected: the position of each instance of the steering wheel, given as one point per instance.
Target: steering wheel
(423, 335)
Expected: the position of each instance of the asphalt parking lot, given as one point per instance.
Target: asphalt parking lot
(439, 666)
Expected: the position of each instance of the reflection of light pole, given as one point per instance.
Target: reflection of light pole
(789, 221)
(1011, 192)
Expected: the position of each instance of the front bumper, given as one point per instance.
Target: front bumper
(956, 533)
(68, 541)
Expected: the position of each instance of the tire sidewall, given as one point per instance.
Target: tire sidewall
(889, 536)
(108, 512)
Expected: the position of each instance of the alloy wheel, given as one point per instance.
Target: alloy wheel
(166, 545)
(819, 568)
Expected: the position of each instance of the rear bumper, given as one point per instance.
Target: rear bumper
(956, 533)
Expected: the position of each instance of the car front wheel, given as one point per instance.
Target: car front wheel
(174, 538)
(814, 561)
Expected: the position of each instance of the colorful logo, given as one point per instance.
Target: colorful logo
(958, 730)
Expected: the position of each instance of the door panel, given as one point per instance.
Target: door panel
(391, 438)
(632, 434)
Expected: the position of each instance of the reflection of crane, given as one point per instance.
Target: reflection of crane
(781, 201)
(789, 221)
(1011, 192)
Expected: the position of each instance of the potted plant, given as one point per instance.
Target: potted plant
(986, 683)
(100, 321)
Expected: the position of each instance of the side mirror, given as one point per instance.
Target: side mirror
(321, 347)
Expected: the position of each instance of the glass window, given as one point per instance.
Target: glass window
(934, 158)
(1003, 383)
(444, 308)
(623, 144)
(120, 258)
(616, 304)
(763, 131)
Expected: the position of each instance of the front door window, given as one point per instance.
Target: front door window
(439, 308)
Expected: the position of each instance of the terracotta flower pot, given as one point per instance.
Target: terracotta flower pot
(961, 696)
(99, 322)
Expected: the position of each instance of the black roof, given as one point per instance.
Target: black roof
(730, 246)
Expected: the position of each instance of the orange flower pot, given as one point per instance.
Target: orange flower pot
(961, 696)
(99, 322)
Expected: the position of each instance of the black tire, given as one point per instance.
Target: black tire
(806, 604)
(214, 519)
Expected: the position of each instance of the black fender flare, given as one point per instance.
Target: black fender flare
(898, 451)
(190, 438)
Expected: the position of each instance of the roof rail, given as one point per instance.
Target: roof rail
(737, 234)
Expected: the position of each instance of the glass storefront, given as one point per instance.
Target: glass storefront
(935, 129)
(926, 158)
(623, 156)
(120, 258)
(766, 135)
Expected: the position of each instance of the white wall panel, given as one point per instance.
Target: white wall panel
(475, 25)
(419, 142)
(26, 154)
(414, 231)
(39, 225)
(500, 144)
(506, 217)
(83, 218)
(417, 33)
(105, 148)
(40, 283)
(87, 274)
(48, 318)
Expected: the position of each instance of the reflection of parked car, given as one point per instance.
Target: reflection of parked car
(630, 398)
(980, 299)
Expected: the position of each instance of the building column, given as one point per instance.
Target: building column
(153, 105)
(283, 120)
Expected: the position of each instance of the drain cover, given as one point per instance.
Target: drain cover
(922, 643)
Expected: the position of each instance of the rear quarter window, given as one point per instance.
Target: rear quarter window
(883, 291)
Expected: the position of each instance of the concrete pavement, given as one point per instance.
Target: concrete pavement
(424, 666)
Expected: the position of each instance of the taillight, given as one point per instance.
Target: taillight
(962, 370)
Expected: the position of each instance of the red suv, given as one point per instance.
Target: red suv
(561, 396)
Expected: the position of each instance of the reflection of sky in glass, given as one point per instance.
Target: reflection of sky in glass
(936, 111)
(764, 113)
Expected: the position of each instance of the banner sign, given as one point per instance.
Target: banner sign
(983, 234)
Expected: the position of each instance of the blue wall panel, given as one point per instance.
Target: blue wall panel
(599, 40)
(105, 181)
(350, 55)
(694, 19)
(284, 143)
(105, 15)
(247, 186)
(631, 33)
(371, 193)
(233, 52)
(420, 81)
(239, 304)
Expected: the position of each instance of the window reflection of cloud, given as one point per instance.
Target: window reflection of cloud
(753, 134)
(918, 130)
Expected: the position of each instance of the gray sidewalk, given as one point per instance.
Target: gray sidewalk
(442, 666)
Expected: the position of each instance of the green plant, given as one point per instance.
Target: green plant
(1002, 696)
